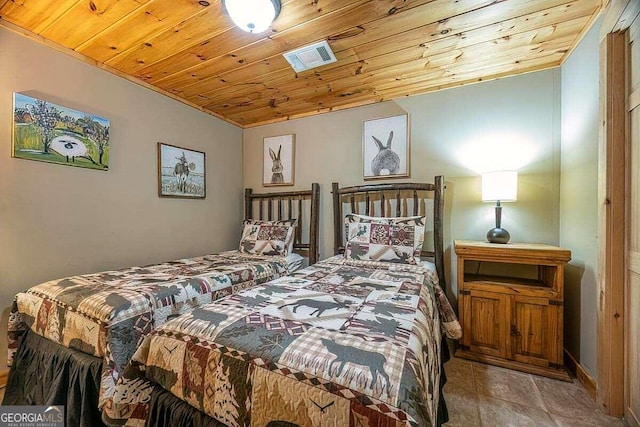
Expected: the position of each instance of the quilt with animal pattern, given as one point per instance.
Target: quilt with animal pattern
(107, 314)
(335, 344)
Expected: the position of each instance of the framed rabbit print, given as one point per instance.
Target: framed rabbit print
(385, 147)
(278, 161)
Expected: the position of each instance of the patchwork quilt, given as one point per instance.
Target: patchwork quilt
(336, 344)
(108, 314)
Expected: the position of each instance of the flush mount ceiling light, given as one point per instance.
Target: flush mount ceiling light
(253, 16)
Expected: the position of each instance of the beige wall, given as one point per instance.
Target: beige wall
(578, 197)
(509, 123)
(57, 220)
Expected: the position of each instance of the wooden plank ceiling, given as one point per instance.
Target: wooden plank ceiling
(386, 49)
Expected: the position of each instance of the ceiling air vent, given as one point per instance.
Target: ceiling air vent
(311, 56)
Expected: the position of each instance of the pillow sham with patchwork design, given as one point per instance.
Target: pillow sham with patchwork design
(397, 240)
(268, 237)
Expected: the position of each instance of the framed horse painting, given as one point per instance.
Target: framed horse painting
(181, 172)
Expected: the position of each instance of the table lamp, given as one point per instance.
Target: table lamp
(500, 186)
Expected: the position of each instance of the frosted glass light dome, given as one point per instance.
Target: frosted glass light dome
(253, 16)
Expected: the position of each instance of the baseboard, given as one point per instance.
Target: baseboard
(3, 378)
(576, 369)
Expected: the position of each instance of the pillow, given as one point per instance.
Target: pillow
(268, 237)
(396, 240)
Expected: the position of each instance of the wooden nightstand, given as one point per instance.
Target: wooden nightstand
(509, 321)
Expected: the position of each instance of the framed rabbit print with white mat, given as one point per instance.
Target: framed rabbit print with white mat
(385, 147)
(278, 161)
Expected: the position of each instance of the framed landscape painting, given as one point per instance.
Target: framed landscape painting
(385, 147)
(181, 172)
(52, 133)
(278, 166)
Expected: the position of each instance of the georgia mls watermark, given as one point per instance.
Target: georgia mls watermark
(32, 416)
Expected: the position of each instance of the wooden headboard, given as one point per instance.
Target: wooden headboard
(292, 204)
(384, 196)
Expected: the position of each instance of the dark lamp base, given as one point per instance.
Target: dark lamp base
(498, 235)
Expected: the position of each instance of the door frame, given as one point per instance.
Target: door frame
(613, 182)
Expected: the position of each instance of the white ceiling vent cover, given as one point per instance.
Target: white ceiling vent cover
(311, 56)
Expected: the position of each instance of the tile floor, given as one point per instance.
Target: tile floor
(488, 396)
(485, 395)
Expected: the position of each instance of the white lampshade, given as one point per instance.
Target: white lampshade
(253, 16)
(501, 185)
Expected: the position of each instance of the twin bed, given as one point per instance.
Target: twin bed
(69, 339)
(352, 340)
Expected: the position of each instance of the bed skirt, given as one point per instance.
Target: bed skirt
(445, 356)
(168, 410)
(46, 373)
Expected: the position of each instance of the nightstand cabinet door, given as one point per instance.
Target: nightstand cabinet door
(533, 330)
(486, 319)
